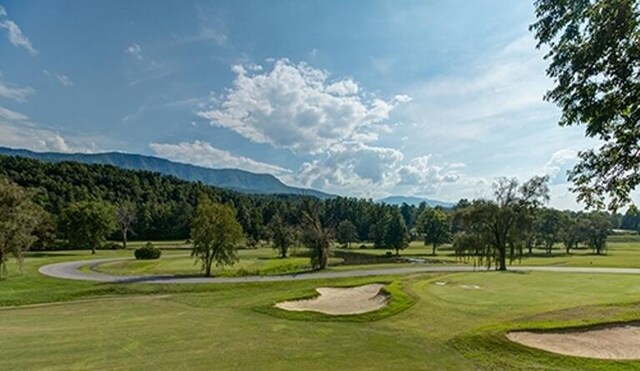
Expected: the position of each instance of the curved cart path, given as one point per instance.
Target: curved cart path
(71, 270)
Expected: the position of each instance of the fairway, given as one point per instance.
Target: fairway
(455, 323)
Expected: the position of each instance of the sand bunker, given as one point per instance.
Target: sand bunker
(618, 342)
(337, 301)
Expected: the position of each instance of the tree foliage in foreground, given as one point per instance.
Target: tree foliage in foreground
(594, 55)
(19, 221)
(215, 233)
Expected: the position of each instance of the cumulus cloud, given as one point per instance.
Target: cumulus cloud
(293, 106)
(135, 50)
(423, 176)
(64, 80)
(561, 161)
(203, 154)
(350, 166)
(14, 33)
(16, 93)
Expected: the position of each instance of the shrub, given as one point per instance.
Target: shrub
(147, 252)
(388, 254)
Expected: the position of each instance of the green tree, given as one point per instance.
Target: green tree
(435, 227)
(631, 219)
(316, 237)
(379, 225)
(547, 227)
(397, 234)
(215, 233)
(596, 228)
(569, 231)
(282, 235)
(494, 222)
(86, 224)
(594, 55)
(19, 220)
(346, 232)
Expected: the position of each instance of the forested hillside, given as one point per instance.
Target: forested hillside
(234, 179)
(164, 205)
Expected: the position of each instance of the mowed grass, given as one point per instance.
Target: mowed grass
(262, 261)
(221, 328)
(448, 321)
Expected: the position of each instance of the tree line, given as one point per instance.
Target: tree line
(84, 205)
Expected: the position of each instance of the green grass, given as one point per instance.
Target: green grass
(261, 261)
(450, 321)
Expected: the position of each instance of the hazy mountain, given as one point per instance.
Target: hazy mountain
(238, 180)
(410, 200)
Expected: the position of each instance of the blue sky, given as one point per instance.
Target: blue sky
(360, 98)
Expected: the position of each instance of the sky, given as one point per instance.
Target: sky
(359, 98)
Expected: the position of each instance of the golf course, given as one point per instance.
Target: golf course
(431, 320)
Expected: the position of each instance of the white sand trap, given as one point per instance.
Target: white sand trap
(613, 342)
(337, 301)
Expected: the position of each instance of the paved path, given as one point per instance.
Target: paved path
(71, 270)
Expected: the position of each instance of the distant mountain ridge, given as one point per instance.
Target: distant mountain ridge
(234, 179)
(411, 200)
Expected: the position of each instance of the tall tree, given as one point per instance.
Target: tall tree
(316, 237)
(397, 234)
(346, 233)
(215, 233)
(494, 221)
(547, 227)
(282, 235)
(594, 54)
(19, 220)
(126, 215)
(596, 229)
(435, 227)
(86, 224)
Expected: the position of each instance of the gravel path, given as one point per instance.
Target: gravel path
(71, 270)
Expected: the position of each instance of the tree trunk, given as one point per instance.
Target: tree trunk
(502, 258)
(397, 252)
(93, 249)
(124, 238)
(433, 250)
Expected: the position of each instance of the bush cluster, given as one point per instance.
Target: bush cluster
(147, 252)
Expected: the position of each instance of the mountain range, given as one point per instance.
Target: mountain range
(234, 179)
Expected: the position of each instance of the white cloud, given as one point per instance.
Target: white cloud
(561, 162)
(14, 33)
(292, 107)
(19, 132)
(134, 50)
(351, 168)
(203, 154)
(18, 94)
(64, 80)
(424, 177)
(8, 114)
